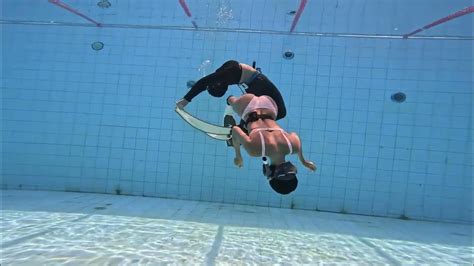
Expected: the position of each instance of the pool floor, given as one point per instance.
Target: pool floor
(42, 227)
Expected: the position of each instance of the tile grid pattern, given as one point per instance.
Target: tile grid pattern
(79, 120)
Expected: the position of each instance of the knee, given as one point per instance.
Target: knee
(231, 100)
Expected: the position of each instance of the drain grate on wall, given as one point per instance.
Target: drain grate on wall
(288, 55)
(104, 4)
(97, 46)
(398, 97)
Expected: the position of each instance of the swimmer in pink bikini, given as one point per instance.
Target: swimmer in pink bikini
(268, 140)
(260, 107)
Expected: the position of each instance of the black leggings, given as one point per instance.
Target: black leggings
(260, 86)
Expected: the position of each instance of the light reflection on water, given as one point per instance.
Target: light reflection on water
(281, 246)
(52, 238)
(102, 239)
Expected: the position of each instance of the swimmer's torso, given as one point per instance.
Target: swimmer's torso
(275, 143)
(247, 73)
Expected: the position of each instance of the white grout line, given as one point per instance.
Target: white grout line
(210, 29)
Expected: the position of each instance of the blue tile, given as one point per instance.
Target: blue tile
(126, 124)
(387, 142)
(385, 164)
(356, 151)
(371, 151)
(373, 128)
(364, 207)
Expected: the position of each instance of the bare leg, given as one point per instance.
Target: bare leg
(239, 103)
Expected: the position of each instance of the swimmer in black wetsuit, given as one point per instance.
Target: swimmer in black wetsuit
(235, 73)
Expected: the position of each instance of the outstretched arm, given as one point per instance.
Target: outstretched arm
(308, 164)
(201, 85)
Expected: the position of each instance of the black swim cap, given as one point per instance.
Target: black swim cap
(217, 90)
(283, 179)
(284, 171)
(284, 186)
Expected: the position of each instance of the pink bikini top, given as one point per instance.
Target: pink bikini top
(260, 102)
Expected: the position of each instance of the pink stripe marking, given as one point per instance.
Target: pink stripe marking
(187, 11)
(459, 13)
(185, 8)
(298, 14)
(70, 9)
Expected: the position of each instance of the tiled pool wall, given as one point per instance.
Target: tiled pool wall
(77, 119)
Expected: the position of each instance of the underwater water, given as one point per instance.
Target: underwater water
(98, 168)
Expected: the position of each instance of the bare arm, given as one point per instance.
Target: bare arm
(239, 137)
(308, 164)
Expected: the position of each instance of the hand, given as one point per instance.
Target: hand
(238, 161)
(310, 165)
(182, 103)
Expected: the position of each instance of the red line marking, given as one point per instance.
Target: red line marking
(187, 11)
(298, 14)
(185, 8)
(457, 14)
(72, 10)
